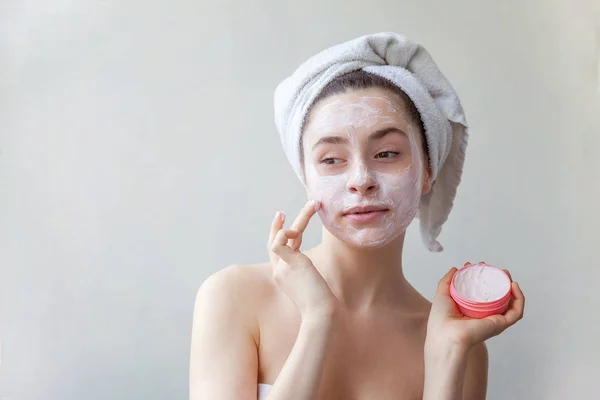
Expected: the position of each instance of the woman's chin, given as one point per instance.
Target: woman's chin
(367, 239)
(369, 244)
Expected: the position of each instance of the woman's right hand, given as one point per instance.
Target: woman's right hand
(294, 272)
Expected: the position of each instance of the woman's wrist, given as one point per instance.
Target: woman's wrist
(319, 319)
(445, 352)
(443, 345)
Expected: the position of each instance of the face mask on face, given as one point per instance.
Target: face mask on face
(367, 201)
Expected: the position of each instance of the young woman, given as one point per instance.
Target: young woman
(340, 321)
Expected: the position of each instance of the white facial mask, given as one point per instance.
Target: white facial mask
(399, 192)
(366, 113)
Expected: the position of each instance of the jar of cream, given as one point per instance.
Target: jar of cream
(481, 290)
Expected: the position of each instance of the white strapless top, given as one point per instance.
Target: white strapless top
(263, 389)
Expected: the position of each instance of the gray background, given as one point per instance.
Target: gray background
(138, 155)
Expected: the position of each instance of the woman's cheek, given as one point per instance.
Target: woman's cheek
(329, 190)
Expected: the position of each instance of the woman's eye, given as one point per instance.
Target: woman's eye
(386, 155)
(331, 161)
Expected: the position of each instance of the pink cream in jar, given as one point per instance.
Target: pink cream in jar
(481, 290)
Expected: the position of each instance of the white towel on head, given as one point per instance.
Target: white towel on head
(410, 67)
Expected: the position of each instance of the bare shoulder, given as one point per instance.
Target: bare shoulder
(225, 333)
(476, 377)
(237, 291)
(244, 285)
(236, 275)
(479, 354)
(478, 357)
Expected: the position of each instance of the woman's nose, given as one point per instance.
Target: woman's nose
(361, 181)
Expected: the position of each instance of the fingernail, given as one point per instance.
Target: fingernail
(277, 215)
(282, 215)
(317, 205)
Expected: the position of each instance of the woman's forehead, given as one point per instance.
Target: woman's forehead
(379, 99)
(353, 110)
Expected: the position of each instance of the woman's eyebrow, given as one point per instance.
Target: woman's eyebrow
(331, 140)
(381, 133)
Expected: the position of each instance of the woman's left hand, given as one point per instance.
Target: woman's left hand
(447, 325)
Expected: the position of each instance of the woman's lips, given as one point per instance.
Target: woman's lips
(365, 214)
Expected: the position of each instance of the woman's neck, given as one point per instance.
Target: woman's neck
(363, 278)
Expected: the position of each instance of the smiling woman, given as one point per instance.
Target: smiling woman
(377, 136)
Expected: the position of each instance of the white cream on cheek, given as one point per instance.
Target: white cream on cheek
(399, 191)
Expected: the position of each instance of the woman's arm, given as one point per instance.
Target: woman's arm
(301, 374)
(455, 354)
(224, 359)
(224, 356)
(298, 278)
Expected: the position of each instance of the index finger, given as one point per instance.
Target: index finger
(301, 221)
